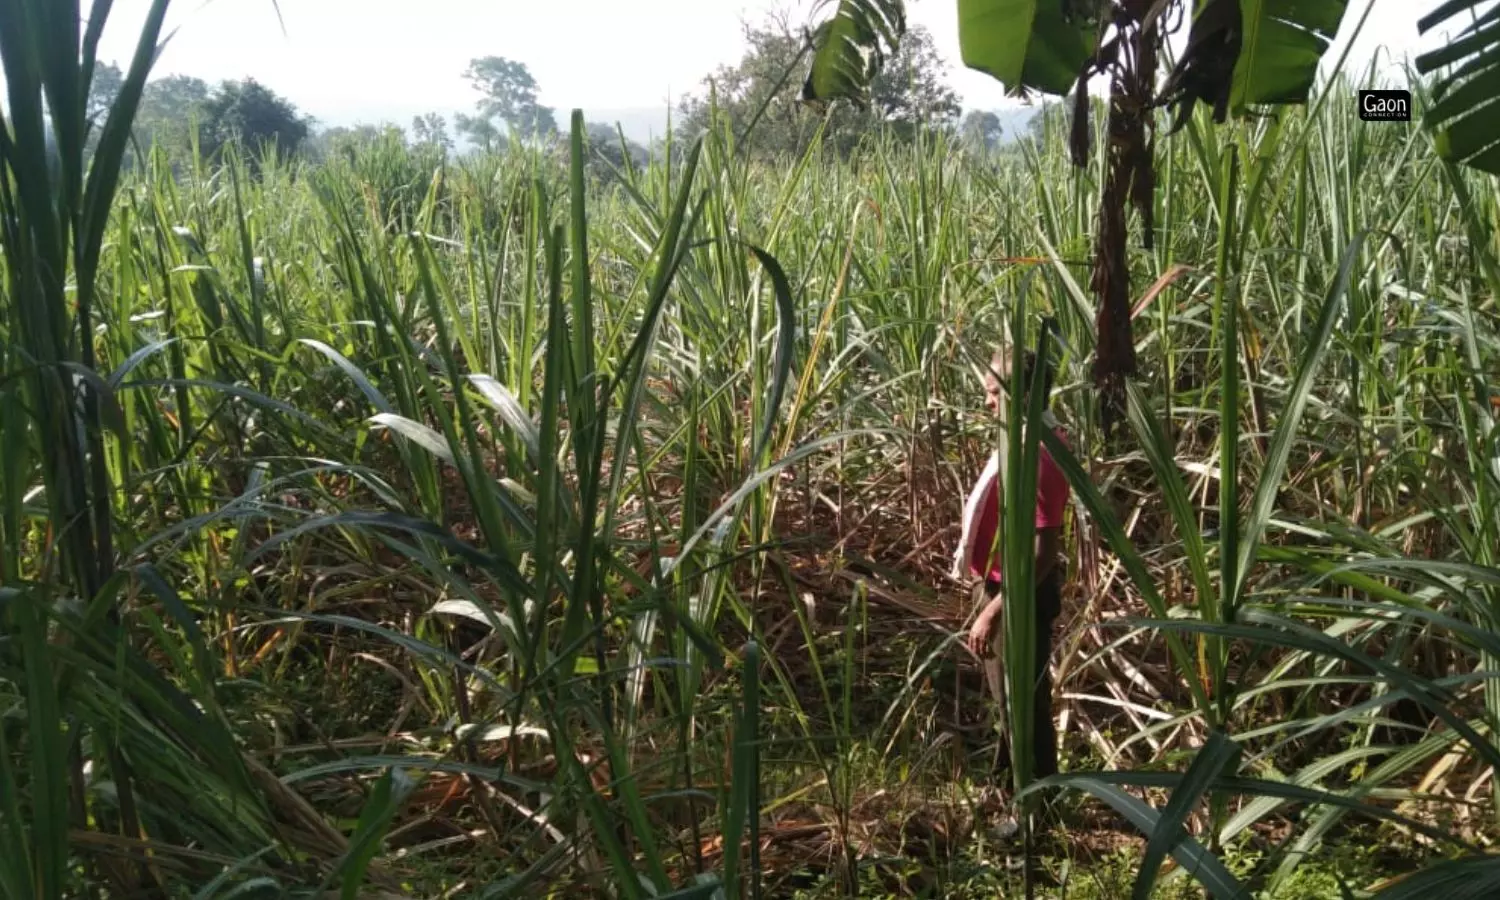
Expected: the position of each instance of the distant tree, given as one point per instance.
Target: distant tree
(108, 79)
(910, 92)
(348, 141)
(175, 98)
(604, 144)
(981, 129)
(1036, 129)
(912, 89)
(481, 132)
(535, 121)
(169, 107)
(254, 114)
(510, 97)
(431, 129)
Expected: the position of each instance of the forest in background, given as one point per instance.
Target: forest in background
(186, 115)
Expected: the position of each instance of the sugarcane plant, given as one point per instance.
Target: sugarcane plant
(93, 704)
(1240, 55)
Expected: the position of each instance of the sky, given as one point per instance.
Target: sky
(348, 61)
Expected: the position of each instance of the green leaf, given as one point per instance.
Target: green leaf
(16, 877)
(111, 414)
(211, 891)
(502, 569)
(1161, 454)
(424, 764)
(511, 412)
(1130, 558)
(1193, 857)
(709, 888)
(1297, 401)
(390, 792)
(48, 770)
(419, 649)
(1025, 44)
(1462, 116)
(1020, 456)
(202, 656)
(234, 390)
(786, 337)
(104, 174)
(135, 359)
(1217, 758)
(1264, 628)
(744, 795)
(1397, 764)
(1282, 44)
(1259, 787)
(362, 381)
(1460, 879)
(422, 435)
(849, 48)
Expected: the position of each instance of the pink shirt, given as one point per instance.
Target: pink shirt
(1051, 501)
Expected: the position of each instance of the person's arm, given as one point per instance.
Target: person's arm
(983, 629)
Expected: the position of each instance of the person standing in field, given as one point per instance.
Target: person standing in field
(979, 556)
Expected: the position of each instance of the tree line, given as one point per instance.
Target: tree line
(185, 114)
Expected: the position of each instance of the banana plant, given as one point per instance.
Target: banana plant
(1273, 46)
(1460, 134)
(1250, 51)
(1239, 53)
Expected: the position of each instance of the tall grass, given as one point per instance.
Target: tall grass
(484, 524)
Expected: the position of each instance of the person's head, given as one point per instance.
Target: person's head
(1002, 377)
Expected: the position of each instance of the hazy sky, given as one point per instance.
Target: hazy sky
(347, 60)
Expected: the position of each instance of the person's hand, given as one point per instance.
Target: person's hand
(983, 629)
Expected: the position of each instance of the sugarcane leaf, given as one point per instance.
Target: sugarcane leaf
(390, 792)
(786, 336)
(1289, 425)
(423, 436)
(360, 379)
(511, 412)
(1193, 856)
(1217, 758)
(1473, 878)
(744, 811)
(104, 174)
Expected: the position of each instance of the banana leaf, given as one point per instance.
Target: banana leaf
(850, 48)
(1025, 44)
(1463, 131)
(1282, 42)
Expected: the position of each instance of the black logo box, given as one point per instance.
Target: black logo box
(1385, 106)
